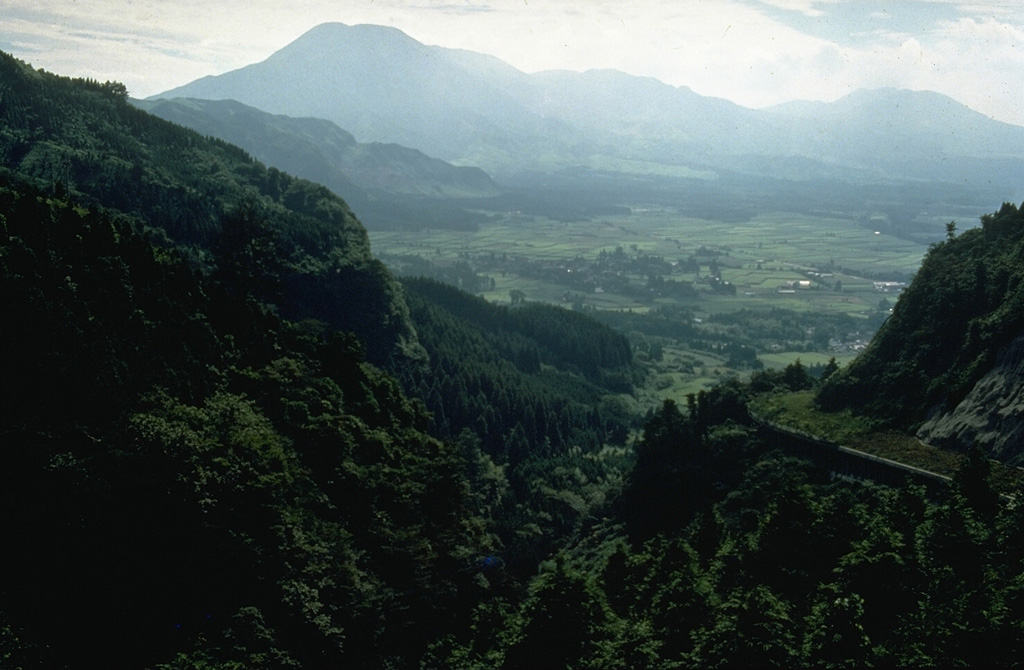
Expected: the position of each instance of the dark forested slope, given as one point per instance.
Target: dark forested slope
(84, 139)
(186, 474)
(952, 327)
(390, 186)
(199, 467)
(533, 392)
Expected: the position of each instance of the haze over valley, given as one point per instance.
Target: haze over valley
(616, 139)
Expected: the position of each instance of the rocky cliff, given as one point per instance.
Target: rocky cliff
(992, 413)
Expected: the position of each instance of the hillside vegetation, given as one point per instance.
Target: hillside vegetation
(946, 332)
(389, 185)
(200, 464)
(84, 139)
(230, 439)
(183, 467)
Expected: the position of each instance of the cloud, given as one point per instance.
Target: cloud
(755, 52)
(805, 7)
(456, 8)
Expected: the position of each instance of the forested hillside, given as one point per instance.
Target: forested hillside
(202, 467)
(538, 398)
(186, 472)
(724, 551)
(948, 330)
(390, 186)
(199, 463)
(84, 139)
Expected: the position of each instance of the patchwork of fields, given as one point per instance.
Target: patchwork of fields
(655, 259)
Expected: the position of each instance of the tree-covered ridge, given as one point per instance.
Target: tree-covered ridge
(180, 442)
(504, 383)
(188, 475)
(725, 552)
(558, 337)
(84, 138)
(964, 305)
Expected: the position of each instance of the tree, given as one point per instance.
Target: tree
(830, 369)
(973, 482)
(795, 376)
(248, 254)
(667, 480)
(835, 635)
(563, 621)
(752, 628)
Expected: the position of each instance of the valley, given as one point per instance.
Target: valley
(833, 278)
(287, 392)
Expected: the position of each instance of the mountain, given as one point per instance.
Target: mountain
(383, 86)
(204, 463)
(325, 152)
(389, 185)
(917, 134)
(473, 109)
(947, 362)
(85, 139)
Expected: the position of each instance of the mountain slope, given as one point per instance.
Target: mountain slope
(473, 109)
(389, 185)
(318, 150)
(992, 412)
(919, 134)
(948, 357)
(383, 86)
(189, 479)
(84, 139)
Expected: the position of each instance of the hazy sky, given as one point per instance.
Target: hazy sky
(754, 52)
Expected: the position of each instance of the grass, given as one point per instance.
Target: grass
(758, 257)
(781, 359)
(797, 411)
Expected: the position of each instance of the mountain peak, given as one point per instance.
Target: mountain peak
(905, 100)
(326, 35)
(468, 108)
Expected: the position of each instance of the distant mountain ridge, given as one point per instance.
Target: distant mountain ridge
(472, 109)
(388, 184)
(382, 86)
(86, 139)
(290, 143)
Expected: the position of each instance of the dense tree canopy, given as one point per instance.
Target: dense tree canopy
(175, 451)
(964, 305)
(83, 138)
(203, 467)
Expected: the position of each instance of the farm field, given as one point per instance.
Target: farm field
(654, 260)
(762, 255)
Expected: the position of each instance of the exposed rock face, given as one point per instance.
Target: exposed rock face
(992, 414)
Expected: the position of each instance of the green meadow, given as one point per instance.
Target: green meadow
(811, 265)
(768, 251)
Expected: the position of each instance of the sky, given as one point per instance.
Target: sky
(753, 52)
